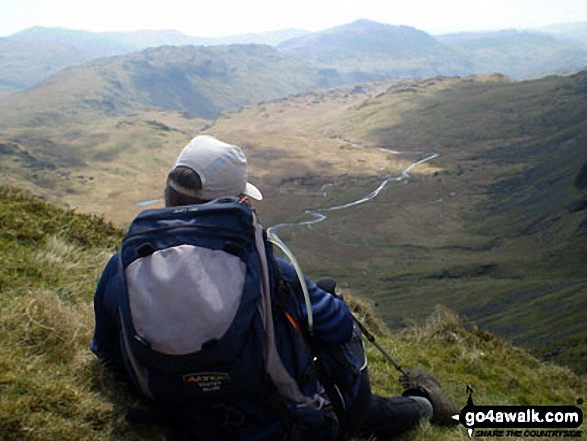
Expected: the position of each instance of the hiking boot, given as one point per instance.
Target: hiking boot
(421, 383)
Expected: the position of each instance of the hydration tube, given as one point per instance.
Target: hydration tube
(274, 239)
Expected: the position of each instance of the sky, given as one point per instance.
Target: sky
(214, 18)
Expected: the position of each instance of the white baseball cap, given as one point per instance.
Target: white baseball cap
(222, 169)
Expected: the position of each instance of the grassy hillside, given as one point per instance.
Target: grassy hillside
(521, 208)
(53, 389)
(105, 166)
(197, 81)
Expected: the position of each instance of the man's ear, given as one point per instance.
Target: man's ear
(246, 200)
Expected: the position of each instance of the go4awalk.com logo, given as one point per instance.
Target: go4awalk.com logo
(520, 421)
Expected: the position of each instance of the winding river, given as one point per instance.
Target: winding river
(319, 214)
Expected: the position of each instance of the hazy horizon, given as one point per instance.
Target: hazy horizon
(222, 18)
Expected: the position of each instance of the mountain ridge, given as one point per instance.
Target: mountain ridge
(574, 31)
(199, 81)
(372, 50)
(535, 54)
(30, 56)
(380, 38)
(375, 48)
(132, 41)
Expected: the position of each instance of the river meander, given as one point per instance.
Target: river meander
(317, 215)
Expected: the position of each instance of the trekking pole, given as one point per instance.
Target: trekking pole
(329, 285)
(375, 343)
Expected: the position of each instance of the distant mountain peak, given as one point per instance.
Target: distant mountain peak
(365, 23)
(363, 37)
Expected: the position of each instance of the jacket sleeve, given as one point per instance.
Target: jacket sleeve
(333, 321)
(106, 341)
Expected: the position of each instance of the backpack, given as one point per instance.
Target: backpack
(201, 332)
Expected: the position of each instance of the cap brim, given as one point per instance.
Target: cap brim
(252, 191)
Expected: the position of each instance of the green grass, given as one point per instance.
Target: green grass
(54, 389)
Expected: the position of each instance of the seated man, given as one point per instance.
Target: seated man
(206, 170)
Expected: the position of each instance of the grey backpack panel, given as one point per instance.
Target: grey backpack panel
(175, 300)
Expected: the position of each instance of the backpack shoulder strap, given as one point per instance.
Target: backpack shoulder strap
(285, 384)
